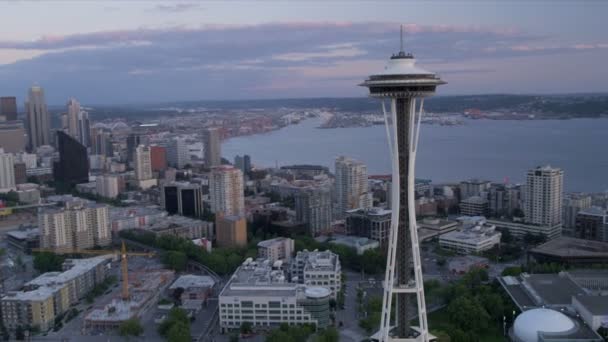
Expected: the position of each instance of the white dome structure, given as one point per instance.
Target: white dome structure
(529, 323)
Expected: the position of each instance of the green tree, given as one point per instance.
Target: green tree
(175, 260)
(179, 332)
(246, 328)
(328, 335)
(511, 271)
(176, 316)
(48, 262)
(131, 327)
(467, 314)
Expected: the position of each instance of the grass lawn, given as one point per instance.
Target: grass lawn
(439, 321)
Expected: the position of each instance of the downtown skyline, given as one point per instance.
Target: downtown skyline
(171, 51)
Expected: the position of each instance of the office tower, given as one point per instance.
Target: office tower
(473, 187)
(79, 224)
(543, 199)
(72, 118)
(108, 186)
(8, 108)
(573, 203)
(143, 163)
(226, 191)
(182, 198)
(158, 156)
(101, 143)
(230, 231)
(372, 223)
(405, 86)
(73, 164)
(84, 128)
(177, 153)
(12, 136)
(133, 140)
(20, 173)
(313, 207)
(213, 147)
(351, 186)
(592, 224)
(7, 171)
(504, 199)
(38, 120)
(239, 163)
(247, 164)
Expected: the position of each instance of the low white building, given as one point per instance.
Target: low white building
(258, 294)
(279, 248)
(473, 237)
(317, 269)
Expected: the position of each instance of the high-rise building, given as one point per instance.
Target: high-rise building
(226, 191)
(352, 189)
(231, 231)
(177, 153)
(7, 171)
(405, 86)
(143, 163)
(84, 128)
(20, 173)
(37, 118)
(313, 207)
(573, 203)
(158, 155)
(108, 186)
(72, 118)
(213, 147)
(8, 107)
(101, 143)
(504, 199)
(543, 196)
(243, 163)
(133, 140)
(473, 187)
(592, 224)
(182, 198)
(372, 223)
(80, 224)
(73, 164)
(12, 136)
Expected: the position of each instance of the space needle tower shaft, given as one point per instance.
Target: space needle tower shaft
(404, 86)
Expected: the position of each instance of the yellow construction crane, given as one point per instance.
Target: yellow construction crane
(123, 260)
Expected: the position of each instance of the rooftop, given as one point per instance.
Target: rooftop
(257, 278)
(597, 305)
(191, 280)
(77, 267)
(270, 242)
(571, 247)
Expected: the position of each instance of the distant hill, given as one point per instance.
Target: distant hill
(560, 106)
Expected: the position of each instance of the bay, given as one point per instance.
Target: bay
(487, 149)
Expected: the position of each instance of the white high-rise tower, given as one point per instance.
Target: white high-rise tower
(406, 86)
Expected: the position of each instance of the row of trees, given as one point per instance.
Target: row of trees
(302, 333)
(176, 328)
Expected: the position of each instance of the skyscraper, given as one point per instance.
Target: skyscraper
(351, 186)
(133, 140)
(12, 136)
(213, 147)
(8, 107)
(7, 171)
(177, 153)
(84, 128)
(573, 203)
(543, 196)
(37, 117)
(405, 86)
(143, 163)
(182, 198)
(101, 143)
(226, 191)
(72, 118)
(159, 158)
(73, 164)
(313, 207)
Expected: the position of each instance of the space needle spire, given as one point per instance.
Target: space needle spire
(405, 86)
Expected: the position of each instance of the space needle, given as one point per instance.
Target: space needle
(405, 86)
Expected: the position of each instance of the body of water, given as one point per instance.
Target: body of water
(486, 149)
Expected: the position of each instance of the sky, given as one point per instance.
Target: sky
(111, 52)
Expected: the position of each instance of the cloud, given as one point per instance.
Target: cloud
(177, 7)
(269, 60)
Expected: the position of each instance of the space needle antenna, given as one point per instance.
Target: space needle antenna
(401, 40)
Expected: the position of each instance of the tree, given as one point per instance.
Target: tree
(48, 262)
(328, 335)
(467, 314)
(175, 260)
(176, 316)
(246, 328)
(131, 327)
(511, 271)
(506, 236)
(179, 332)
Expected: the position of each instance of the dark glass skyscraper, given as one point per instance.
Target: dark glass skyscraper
(8, 107)
(73, 164)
